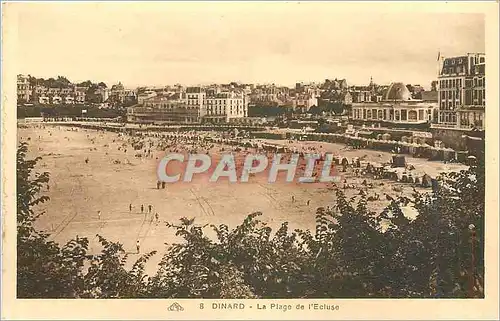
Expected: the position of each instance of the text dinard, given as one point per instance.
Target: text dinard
(274, 306)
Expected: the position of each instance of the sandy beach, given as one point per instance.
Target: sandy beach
(114, 178)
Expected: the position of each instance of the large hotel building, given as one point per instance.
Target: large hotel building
(462, 95)
(194, 105)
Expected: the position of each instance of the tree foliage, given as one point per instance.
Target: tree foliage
(352, 253)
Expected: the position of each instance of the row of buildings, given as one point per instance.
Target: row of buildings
(457, 98)
(33, 93)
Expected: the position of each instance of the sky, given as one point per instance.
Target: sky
(199, 43)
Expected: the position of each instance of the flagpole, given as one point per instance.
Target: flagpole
(438, 85)
(439, 63)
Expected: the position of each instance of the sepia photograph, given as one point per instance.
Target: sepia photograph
(232, 150)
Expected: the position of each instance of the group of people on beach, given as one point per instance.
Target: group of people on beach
(155, 144)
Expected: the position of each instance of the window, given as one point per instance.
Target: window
(404, 115)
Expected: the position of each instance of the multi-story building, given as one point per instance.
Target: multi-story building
(270, 95)
(23, 88)
(397, 108)
(462, 91)
(195, 105)
(224, 106)
(302, 102)
(141, 97)
(44, 99)
(103, 93)
(54, 91)
(361, 95)
(69, 100)
(80, 95)
(117, 94)
(163, 109)
(56, 100)
(195, 97)
(346, 98)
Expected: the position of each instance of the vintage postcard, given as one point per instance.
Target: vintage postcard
(250, 160)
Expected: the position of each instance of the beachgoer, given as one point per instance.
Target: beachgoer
(142, 208)
(138, 246)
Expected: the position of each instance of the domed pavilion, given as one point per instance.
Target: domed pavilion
(397, 109)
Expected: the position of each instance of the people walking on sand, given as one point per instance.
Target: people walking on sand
(142, 208)
(138, 246)
(130, 208)
(308, 202)
(293, 198)
(158, 185)
(150, 208)
(99, 214)
(157, 217)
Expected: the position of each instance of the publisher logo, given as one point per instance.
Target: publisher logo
(175, 307)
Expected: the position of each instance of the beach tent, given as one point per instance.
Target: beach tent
(426, 181)
(386, 136)
(398, 161)
(471, 160)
